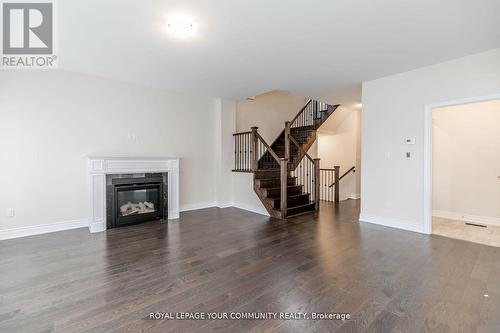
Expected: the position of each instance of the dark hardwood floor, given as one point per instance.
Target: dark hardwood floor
(217, 260)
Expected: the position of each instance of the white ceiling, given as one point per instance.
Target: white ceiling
(315, 48)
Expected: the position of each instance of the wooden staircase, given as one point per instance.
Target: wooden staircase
(286, 178)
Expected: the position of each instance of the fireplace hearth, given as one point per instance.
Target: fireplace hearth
(135, 198)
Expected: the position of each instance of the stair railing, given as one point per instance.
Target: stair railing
(337, 179)
(260, 149)
(261, 160)
(311, 115)
(252, 153)
(330, 183)
(243, 154)
(307, 173)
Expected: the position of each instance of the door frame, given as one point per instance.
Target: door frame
(428, 108)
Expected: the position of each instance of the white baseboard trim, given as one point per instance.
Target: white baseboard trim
(466, 217)
(224, 204)
(392, 223)
(202, 205)
(97, 227)
(42, 229)
(355, 196)
(251, 208)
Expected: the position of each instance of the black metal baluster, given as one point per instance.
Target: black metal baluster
(329, 182)
(247, 148)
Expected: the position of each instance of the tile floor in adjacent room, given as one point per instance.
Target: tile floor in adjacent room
(459, 230)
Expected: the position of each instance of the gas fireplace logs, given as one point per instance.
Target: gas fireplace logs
(137, 208)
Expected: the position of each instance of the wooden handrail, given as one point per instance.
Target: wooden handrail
(300, 148)
(269, 149)
(353, 169)
(242, 133)
(298, 114)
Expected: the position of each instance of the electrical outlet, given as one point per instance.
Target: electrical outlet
(9, 212)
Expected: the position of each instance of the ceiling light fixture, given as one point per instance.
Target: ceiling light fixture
(181, 26)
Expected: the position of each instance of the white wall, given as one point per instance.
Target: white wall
(338, 144)
(224, 156)
(268, 111)
(466, 161)
(50, 119)
(244, 196)
(392, 186)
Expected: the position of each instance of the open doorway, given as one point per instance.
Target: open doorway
(465, 170)
(339, 145)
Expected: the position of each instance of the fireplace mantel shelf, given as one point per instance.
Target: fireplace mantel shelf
(99, 166)
(129, 157)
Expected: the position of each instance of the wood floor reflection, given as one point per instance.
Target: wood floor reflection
(230, 260)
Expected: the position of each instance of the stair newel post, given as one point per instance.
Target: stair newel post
(316, 183)
(287, 139)
(315, 117)
(284, 186)
(255, 143)
(337, 183)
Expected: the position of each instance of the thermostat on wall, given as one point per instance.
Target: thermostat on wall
(410, 141)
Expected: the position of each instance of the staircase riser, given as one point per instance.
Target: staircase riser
(266, 174)
(300, 210)
(267, 182)
(294, 201)
(275, 193)
(273, 182)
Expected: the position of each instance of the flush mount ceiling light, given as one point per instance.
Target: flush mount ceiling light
(181, 26)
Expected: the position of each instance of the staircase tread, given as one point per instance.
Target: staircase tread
(267, 185)
(288, 196)
(276, 178)
(304, 212)
(301, 205)
(278, 187)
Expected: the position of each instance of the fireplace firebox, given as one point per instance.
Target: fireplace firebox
(135, 198)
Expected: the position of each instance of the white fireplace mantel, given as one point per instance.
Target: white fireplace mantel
(100, 166)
